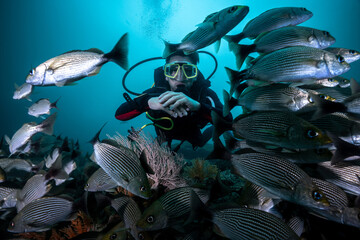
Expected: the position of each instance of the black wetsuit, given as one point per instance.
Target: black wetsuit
(185, 128)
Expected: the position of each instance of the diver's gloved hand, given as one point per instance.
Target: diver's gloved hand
(179, 103)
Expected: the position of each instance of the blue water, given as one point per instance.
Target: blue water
(34, 31)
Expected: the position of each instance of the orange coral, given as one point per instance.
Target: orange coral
(124, 191)
(56, 236)
(79, 225)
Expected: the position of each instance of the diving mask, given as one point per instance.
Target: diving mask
(171, 70)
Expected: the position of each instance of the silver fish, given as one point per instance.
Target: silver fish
(274, 128)
(349, 54)
(122, 165)
(41, 107)
(170, 209)
(280, 177)
(23, 91)
(130, 213)
(294, 64)
(270, 20)
(248, 223)
(16, 163)
(343, 174)
(36, 187)
(212, 29)
(77, 64)
(100, 181)
(41, 214)
(281, 38)
(23, 135)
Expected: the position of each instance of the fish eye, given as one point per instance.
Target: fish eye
(141, 236)
(31, 72)
(352, 52)
(312, 133)
(340, 59)
(326, 33)
(233, 9)
(113, 236)
(150, 219)
(322, 96)
(317, 196)
(12, 224)
(142, 189)
(345, 81)
(331, 80)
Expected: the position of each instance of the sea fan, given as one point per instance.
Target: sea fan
(200, 172)
(165, 164)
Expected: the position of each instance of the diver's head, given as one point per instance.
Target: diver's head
(180, 70)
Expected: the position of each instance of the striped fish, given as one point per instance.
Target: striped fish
(350, 55)
(122, 165)
(41, 215)
(100, 181)
(343, 174)
(8, 197)
(169, 210)
(36, 187)
(296, 223)
(282, 129)
(248, 223)
(280, 177)
(270, 20)
(130, 214)
(296, 64)
(280, 38)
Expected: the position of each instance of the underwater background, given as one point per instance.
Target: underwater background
(34, 31)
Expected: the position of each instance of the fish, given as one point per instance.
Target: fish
(19, 164)
(270, 20)
(277, 97)
(130, 213)
(295, 64)
(58, 172)
(41, 107)
(122, 165)
(100, 181)
(36, 187)
(334, 194)
(8, 197)
(279, 177)
(77, 64)
(211, 30)
(281, 38)
(172, 208)
(118, 232)
(24, 91)
(41, 214)
(350, 55)
(248, 223)
(21, 138)
(273, 128)
(344, 175)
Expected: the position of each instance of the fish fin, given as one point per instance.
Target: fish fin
(95, 71)
(95, 139)
(220, 124)
(92, 157)
(53, 105)
(60, 83)
(229, 103)
(311, 39)
(206, 25)
(343, 149)
(144, 162)
(217, 45)
(187, 36)
(16, 86)
(47, 126)
(249, 61)
(119, 54)
(170, 48)
(325, 106)
(28, 98)
(241, 52)
(234, 38)
(208, 17)
(7, 139)
(94, 50)
(235, 78)
(355, 86)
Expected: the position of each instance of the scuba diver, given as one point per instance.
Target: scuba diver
(179, 103)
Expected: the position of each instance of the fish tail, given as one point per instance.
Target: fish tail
(343, 149)
(234, 38)
(53, 105)
(95, 139)
(229, 103)
(47, 125)
(119, 54)
(326, 107)
(241, 52)
(170, 48)
(235, 78)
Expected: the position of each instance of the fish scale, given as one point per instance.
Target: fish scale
(176, 202)
(247, 223)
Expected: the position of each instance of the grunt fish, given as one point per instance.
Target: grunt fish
(23, 91)
(211, 30)
(349, 54)
(41, 107)
(77, 64)
(100, 181)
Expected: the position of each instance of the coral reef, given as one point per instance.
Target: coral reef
(201, 172)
